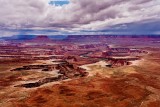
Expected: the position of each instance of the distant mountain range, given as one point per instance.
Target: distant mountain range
(30, 37)
(75, 37)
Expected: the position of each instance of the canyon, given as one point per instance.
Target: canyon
(80, 71)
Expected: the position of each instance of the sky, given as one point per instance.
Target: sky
(75, 17)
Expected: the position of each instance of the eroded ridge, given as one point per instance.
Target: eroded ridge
(65, 71)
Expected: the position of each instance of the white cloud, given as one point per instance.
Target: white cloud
(77, 15)
(4, 33)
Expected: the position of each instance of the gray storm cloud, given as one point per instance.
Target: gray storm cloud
(77, 15)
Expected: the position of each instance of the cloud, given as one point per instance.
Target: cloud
(77, 15)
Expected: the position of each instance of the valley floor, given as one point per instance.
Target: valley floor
(136, 85)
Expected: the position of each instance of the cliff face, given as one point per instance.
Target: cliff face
(118, 62)
(40, 39)
(66, 71)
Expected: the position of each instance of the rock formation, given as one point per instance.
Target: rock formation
(66, 71)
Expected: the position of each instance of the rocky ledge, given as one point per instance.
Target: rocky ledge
(66, 71)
